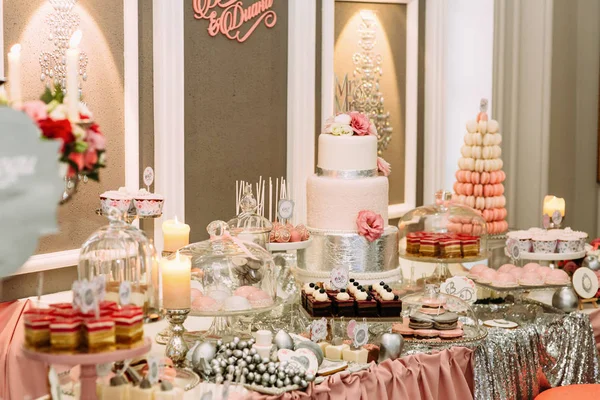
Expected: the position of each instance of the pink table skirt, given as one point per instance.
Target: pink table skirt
(444, 375)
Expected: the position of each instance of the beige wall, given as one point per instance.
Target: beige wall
(102, 27)
(391, 45)
(235, 115)
(574, 110)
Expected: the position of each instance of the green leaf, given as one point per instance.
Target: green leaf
(59, 95)
(94, 176)
(47, 97)
(80, 147)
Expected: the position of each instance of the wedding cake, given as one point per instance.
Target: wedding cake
(347, 205)
(479, 180)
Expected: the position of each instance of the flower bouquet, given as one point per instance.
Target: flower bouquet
(83, 144)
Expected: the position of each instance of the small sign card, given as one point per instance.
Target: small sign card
(153, 370)
(125, 293)
(339, 277)
(556, 217)
(318, 330)
(148, 177)
(460, 286)
(285, 209)
(358, 332)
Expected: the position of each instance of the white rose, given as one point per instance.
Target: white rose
(338, 129)
(343, 119)
(59, 112)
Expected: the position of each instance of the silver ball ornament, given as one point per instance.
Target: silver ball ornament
(251, 367)
(231, 360)
(265, 377)
(228, 353)
(219, 343)
(223, 363)
(245, 371)
(279, 383)
(261, 368)
(248, 359)
(271, 370)
(296, 380)
(253, 351)
(271, 364)
(287, 381)
(245, 352)
(250, 376)
(310, 377)
(272, 379)
(242, 345)
(236, 340)
(237, 353)
(251, 341)
(281, 375)
(303, 383)
(219, 379)
(256, 358)
(242, 363)
(265, 360)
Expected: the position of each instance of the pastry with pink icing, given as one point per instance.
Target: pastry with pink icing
(531, 279)
(206, 304)
(488, 276)
(531, 267)
(259, 299)
(557, 277)
(506, 268)
(245, 291)
(516, 272)
(504, 279)
(543, 271)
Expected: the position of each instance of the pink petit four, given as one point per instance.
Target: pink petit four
(531, 267)
(206, 303)
(504, 279)
(477, 269)
(516, 272)
(557, 277)
(506, 268)
(245, 291)
(543, 271)
(260, 299)
(488, 276)
(531, 279)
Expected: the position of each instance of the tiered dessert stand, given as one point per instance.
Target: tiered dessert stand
(88, 362)
(130, 217)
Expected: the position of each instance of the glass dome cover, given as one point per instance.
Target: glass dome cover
(248, 225)
(120, 252)
(431, 305)
(234, 276)
(442, 231)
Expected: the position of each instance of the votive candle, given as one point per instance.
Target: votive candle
(176, 282)
(175, 234)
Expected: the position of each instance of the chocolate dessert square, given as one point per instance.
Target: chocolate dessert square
(366, 308)
(318, 308)
(343, 308)
(388, 308)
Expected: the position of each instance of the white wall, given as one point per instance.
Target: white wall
(467, 71)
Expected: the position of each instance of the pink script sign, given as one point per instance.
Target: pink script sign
(230, 17)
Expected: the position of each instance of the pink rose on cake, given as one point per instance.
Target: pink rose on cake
(383, 166)
(361, 124)
(370, 225)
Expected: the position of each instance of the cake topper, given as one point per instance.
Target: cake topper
(148, 177)
(125, 293)
(339, 277)
(359, 333)
(483, 105)
(153, 370)
(460, 286)
(318, 330)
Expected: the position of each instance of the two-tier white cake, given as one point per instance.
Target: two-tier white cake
(347, 181)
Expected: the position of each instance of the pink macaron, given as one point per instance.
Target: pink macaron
(451, 333)
(260, 299)
(402, 329)
(245, 291)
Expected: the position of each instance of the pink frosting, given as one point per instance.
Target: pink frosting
(504, 278)
(259, 299)
(506, 268)
(206, 303)
(531, 278)
(516, 272)
(245, 291)
(531, 267)
(478, 269)
(543, 271)
(488, 275)
(370, 225)
(557, 276)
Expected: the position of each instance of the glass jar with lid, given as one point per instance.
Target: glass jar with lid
(248, 225)
(443, 232)
(122, 253)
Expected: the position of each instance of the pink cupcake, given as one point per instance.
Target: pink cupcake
(506, 268)
(531, 279)
(505, 279)
(259, 299)
(531, 267)
(488, 276)
(557, 277)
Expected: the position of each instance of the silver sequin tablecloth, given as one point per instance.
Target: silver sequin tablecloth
(554, 350)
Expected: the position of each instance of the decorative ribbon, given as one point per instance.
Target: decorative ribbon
(349, 174)
(239, 243)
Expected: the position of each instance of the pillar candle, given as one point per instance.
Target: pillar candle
(14, 75)
(553, 203)
(175, 234)
(176, 282)
(72, 57)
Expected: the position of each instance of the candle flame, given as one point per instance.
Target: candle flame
(75, 39)
(176, 220)
(177, 256)
(16, 49)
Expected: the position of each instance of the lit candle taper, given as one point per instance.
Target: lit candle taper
(72, 57)
(14, 75)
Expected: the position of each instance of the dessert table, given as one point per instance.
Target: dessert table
(493, 370)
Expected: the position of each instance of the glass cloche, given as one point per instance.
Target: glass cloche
(248, 225)
(235, 277)
(438, 319)
(120, 252)
(443, 232)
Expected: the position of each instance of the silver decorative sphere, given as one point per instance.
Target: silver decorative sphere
(565, 299)
(271, 370)
(265, 360)
(262, 368)
(223, 363)
(219, 343)
(250, 376)
(237, 353)
(242, 363)
(245, 352)
(251, 367)
(303, 383)
(230, 369)
(219, 379)
(310, 377)
(232, 345)
(231, 360)
(265, 377)
(296, 380)
(591, 262)
(283, 340)
(281, 375)
(245, 371)
(256, 358)
(287, 381)
(391, 346)
(271, 364)
(279, 383)
(251, 341)
(242, 345)
(248, 359)
(236, 340)
(252, 351)
(228, 353)
(272, 379)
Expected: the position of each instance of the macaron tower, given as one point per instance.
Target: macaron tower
(479, 180)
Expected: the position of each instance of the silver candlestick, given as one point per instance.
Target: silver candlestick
(177, 348)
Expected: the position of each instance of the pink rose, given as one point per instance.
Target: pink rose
(90, 158)
(36, 110)
(360, 123)
(370, 225)
(373, 129)
(95, 138)
(383, 166)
